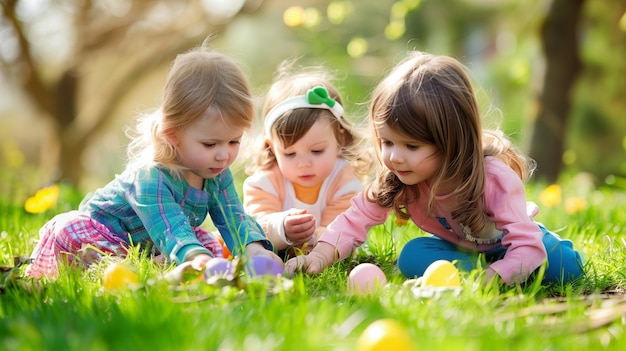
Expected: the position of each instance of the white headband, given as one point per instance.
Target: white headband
(315, 98)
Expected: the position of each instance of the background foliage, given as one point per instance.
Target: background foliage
(81, 71)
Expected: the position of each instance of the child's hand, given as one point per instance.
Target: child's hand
(199, 261)
(188, 271)
(490, 276)
(299, 227)
(256, 249)
(315, 262)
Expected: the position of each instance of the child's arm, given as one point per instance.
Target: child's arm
(346, 232)
(153, 200)
(263, 195)
(226, 210)
(299, 227)
(322, 256)
(505, 201)
(256, 249)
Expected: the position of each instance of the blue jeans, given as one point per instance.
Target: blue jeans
(564, 263)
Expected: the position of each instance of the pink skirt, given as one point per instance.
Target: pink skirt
(76, 238)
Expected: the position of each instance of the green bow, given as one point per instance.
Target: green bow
(318, 96)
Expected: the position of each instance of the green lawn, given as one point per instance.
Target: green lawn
(318, 313)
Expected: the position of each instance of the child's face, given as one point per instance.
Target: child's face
(207, 147)
(311, 159)
(411, 161)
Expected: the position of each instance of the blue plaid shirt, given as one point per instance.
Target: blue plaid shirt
(153, 205)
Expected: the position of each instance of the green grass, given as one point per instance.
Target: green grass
(318, 313)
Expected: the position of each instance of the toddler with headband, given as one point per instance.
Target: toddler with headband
(310, 164)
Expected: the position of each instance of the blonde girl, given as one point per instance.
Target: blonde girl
(462, 184)
(311, 162)
(177, 174)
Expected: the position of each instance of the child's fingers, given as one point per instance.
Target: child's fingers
(274, 257)
(200, 261)
(314, 267)
(294, 265)
(297, 223)
(299, 232)
(296, 211)
(253, 250)
(300, 219)
(316, 262)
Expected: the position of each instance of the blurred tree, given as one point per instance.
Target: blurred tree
(108, 45)
(596, 135)
(552, 66)
(560, 42)
(79, 39)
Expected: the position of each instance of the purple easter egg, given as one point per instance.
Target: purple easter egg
(263, 265)
(217, 266)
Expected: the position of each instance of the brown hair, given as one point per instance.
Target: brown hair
(430, 98)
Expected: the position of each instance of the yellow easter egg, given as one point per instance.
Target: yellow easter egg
(441, 273)
(119, 275)
(383, 335)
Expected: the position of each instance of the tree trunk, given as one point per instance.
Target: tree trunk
(141, 49)
(559, 36)
(65, 113)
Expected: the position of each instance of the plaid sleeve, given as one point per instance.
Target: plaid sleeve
(227, 213)
(154, 201)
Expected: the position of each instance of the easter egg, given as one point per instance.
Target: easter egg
(263, 266)
(441, 273)
(383, 335)
(119, 275)
(366, 278)
(217, 266)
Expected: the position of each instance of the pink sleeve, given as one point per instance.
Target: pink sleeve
(350, 228)
(505, 203)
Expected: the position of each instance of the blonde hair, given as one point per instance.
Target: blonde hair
(294, 124)
(430, 99)
(197, 80)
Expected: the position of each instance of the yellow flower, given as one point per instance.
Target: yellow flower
(43, 199)
(575, 204)
(400, 222)
(551, 196)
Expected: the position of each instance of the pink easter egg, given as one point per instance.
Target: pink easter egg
(366, 278)
(217, 266)
(263, 265)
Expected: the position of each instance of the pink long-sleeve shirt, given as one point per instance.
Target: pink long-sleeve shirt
(511, 224)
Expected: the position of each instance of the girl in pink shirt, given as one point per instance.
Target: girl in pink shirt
(310, 163)
(462, 184)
